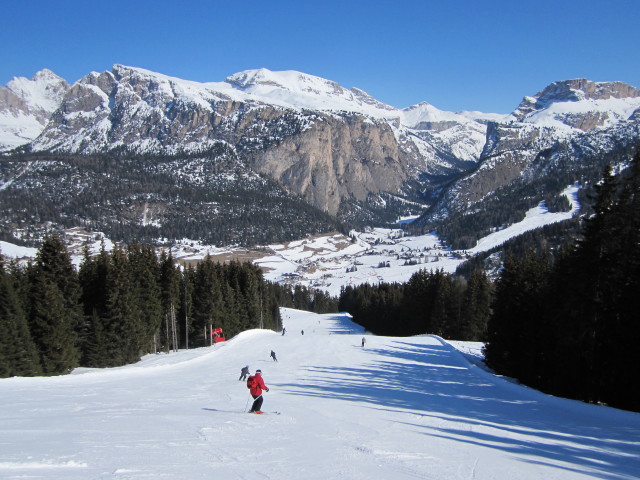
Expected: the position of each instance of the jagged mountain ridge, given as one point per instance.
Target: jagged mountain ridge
(330, 144)
(565, 134)
(339, 149)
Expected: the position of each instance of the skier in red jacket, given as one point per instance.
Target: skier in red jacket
(256, 386)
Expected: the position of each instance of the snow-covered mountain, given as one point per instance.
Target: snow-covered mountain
(569, 130)
(401, 408)
(340, 150)
(580, 104)
(26, 106)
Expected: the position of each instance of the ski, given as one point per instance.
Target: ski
(236, 411)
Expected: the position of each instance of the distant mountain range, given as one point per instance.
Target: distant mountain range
(264, 156)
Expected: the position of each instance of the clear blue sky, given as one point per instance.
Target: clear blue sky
(454, 54)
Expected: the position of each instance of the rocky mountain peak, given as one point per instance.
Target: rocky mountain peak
(42, 92)
(575, 90)
(26, 105)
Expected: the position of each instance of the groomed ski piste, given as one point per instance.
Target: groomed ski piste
(399, 408)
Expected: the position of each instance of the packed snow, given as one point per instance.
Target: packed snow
(401, 408)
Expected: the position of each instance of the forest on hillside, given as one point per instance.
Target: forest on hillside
(563, 321)
(125, 303)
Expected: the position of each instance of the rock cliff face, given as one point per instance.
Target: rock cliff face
(337, 158)
(338, 149)
(325, 156)
(571, 116)
(587, 104)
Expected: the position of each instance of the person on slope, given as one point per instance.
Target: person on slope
(256, 386)
(244, 372)
(273, 355)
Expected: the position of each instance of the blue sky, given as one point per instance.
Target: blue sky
(454, 54)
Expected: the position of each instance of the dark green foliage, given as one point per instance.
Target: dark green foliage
(121, 305)
(475, 307)
(303, 298)
(18, 352)
(430, 302)
(572, 328)
(52, 295)
(210, 197)
(515, 330)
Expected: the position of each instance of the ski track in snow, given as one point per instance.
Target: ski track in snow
(402, 408)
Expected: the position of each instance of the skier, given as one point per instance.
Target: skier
(256, 386)
(284, 330)
(244, 372)
(273, 355)
(302, 332)
(363, 342)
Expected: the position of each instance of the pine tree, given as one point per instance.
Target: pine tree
(50, 324)
(53, 308)
(18, 353)
(476, 307)
(122, 319)
(93, 275)
(515, 336)
(171, 286)
(144, 273)
(54, 262)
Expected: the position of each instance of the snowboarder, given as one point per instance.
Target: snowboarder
(363, 342)
(256, 386)
(273, 355)
(244, 372)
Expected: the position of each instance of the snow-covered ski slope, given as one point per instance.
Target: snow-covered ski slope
(400, 408)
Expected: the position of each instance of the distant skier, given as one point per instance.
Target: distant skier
(302, 332)
(244, 372)
(284, 330)
(256, 385)
(363, 342)
(273, 355)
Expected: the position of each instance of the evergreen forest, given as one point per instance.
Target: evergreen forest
(120, 305)
(564, 321)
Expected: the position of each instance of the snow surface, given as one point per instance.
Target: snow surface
(401, 408)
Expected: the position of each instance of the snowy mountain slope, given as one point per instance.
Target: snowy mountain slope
(568, 131)
(26, 105)
(399, 408)
(579, 104)
(339, 150)
(100, 100)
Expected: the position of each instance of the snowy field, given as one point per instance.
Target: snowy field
(327, 262)
(400, 408)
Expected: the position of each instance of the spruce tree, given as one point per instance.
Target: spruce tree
(144, 273)
(50, 325)
(18, 352)
(476, 307)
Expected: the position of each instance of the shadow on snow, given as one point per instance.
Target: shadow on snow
(430, 381)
